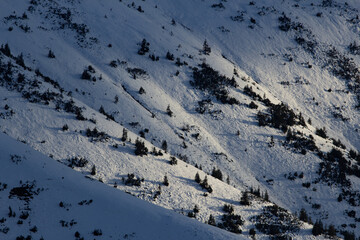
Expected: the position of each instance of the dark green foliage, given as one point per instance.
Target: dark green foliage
(77, 162)
(86, 75)
(354, 48)
(169, 112)
(275, 220)
(21, 237)
(204, 184)
(348, 235)
(279, 116)
(318, 228)
(191, 215)
(51, 54)
(253, 105)
(321, 132)
(142, 90)
(245, 199)
(216, 173)
(124, 135)
(334, 168)
(140, 148)
(24, 215)
(144, 47)
(11, 213)
(196, 209)
(113, 64)
(170, 56)
(228, 208)
(300, 143)
(206, 48)
(211, 220)
(96, 135)
(164, 146)
(166, 181)
(5, 50)
(93, 170)
(136, 72)
(20, 60)
(303, 215)
(331, 231)
(173, 160)
(209, 80)
(197, 178)
(65, 127)
(252, 232)
(33, 229)
(97, 232)
(132, 181)
(232, 223)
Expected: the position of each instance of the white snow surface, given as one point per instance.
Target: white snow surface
(255, 50)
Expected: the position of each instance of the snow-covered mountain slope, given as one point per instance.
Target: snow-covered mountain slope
(46, 200)
(204, 82)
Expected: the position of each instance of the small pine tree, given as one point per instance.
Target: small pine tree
(144, 47)
(318, 228)
(216, 173)
(20, 60)
(124, 135)
(206, 48)
(65, 127)
(196, 209)
(245, 199)
(252, 232)
(197, 178)
(140, 148)
(116, 99)
(85, 75)
(93, 170)
(142, 90)
(164, 146)
(211, 220)
(170, 56)
(331, 231)
(168, 111)
(266, 196)
(173, 160)
(303, 215)
(6, 50)
(166, 181)
(51, 54)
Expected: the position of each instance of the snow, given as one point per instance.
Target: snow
(256, 52)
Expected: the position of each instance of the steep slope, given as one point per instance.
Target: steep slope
(283, 50)
(44, 199)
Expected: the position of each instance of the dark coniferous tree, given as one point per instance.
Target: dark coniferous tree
(216, 173)
(206, 48)
(318, 228)
(164, 146)
(6, 50)
(140, 148)
(51, 54)
(124, 135)
(169, 112)
(197, 178)
(245, 199)
(211, 220)
(166, 181)
(93, 170)
(303, 215)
